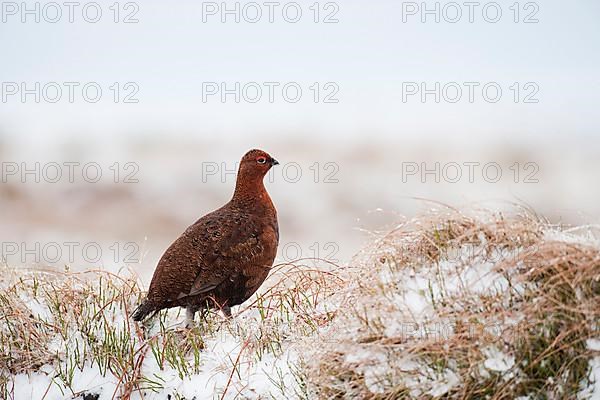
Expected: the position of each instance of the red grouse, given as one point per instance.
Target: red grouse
(224, 257)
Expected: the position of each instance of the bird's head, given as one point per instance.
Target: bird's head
(249, 186)
(256, 163)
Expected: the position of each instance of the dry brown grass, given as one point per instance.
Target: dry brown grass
(67, 321)
(59, 323)
(548, 305)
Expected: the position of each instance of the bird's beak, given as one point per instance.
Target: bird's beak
(274, 161)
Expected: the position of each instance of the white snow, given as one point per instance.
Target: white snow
(593, 344)
(592, 391)
(498, 361)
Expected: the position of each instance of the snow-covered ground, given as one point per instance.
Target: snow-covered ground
(445, 305)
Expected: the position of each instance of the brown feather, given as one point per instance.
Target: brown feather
(224, 257)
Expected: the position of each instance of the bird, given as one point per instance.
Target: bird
(225, 256)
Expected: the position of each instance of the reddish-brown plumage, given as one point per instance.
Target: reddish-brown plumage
(224, 257)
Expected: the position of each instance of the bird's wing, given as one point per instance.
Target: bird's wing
(205, 283)
(238, 246)
(181, 263)
(214, 249)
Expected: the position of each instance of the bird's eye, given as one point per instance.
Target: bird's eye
(261, 160)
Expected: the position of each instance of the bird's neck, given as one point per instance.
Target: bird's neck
(250, 191)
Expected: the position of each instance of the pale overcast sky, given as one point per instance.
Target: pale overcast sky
(369, 56)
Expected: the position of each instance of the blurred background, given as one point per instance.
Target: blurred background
(122, 123)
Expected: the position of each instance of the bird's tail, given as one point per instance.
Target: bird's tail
(142, 311)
